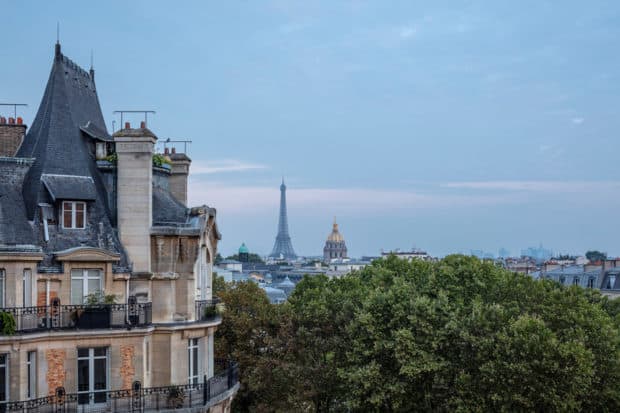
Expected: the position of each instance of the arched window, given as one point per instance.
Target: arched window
(591, 282)
(576, 281)
(562, 279)
(611, 282)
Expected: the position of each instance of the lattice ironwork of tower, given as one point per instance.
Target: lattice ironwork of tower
(283, 246)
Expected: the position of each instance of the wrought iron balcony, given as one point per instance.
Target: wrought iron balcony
(207, 309)
(18, 320)
(186, 398)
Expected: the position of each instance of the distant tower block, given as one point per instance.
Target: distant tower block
(335, 247)
(283, 247)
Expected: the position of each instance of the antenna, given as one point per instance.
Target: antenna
(91, 59)
(146, 112)
(15, 105)
(57, 32)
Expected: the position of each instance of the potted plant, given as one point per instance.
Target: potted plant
(176, 397)
(97, 312)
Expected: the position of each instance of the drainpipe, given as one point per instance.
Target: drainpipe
(127, 301)
(47, 292)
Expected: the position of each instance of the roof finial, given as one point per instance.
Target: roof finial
(92, 65)
(57, 48)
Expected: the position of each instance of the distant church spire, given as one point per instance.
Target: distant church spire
(283, 246)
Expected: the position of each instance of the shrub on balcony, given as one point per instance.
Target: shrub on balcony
(7, 323)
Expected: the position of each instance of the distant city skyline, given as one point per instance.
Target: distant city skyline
(450, 126)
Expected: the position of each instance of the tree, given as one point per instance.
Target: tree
(594, 256)
(455, 335)
(253, 258)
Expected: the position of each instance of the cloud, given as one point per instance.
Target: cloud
(577, 121)
(258, 199)
(407, 31)
(538, 186)
(223, 166)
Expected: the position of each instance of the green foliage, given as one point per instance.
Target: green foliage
(218, 259)
(9, 326)
(98, 297)
(596, 256)
(160, 160)
(254, 258)
(112, 158)
(456, 335)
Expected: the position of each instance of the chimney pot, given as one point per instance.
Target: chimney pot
(166, 151)
(127, 125)
(2, 120)
(174, 150)
(11, 121)
(143, 125)
(20, 121)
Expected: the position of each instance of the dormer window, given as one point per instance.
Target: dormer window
(73, 215)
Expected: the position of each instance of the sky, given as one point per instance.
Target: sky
(443, 125)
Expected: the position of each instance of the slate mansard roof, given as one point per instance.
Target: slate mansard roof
(56, 162)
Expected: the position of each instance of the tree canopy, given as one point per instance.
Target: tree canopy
(456, 335)
(594, 256)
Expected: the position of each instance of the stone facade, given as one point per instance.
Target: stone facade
(101, 231)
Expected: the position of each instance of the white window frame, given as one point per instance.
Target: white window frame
(73, 210)
(2, 287)
(193, 351)
(91, 371)
(6, 376)
(31, 374)
(27, 288)
(85, 277)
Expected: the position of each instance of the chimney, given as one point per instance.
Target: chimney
(179, 172)
(11, 135)
(134, 148)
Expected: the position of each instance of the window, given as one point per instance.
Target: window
(576, 281)
(92, 375)
(73, 215)
(31, 365)
(2, 287)
(84, 282)
(562, 280)
(590, 282)
(192, 351)
(611, 281)
(4, 377)
(27, 288)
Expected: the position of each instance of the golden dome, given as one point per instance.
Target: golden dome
(335, 236)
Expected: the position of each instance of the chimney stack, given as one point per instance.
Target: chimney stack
(11, 135)
(179, 172)
(135, 148)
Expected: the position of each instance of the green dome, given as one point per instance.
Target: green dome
(243, 249)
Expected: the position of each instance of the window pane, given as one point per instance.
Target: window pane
(79, 207)
(100, 351)
(195, 362)
(79, 219)
(77, 273)
(82, 352)
(100, 374)
(2, 383)
(83, 384)
(67, 219)
(77, 291)
(94, 286)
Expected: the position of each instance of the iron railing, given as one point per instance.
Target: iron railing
(134, 400)
(206, 309)
(59, 317)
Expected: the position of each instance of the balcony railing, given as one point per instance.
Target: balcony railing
(187, 398)
(66, 317)
(206, 309)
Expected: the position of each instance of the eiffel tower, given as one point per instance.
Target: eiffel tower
(283, 246)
